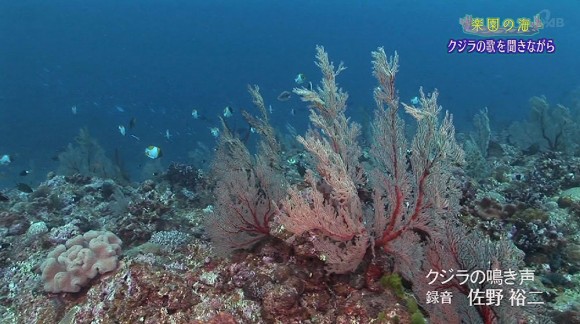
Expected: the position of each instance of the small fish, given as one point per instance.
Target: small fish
(132, 122)
(5, 159)
(167, 134)
(135, 137)
(24, 173)
(56, 155)
(120, 109)
(215, 132)
(3, 197)
(153, 152)
(24, 187)
(228, 112)
(195, 114)
(122, 130)
(270, 109)
(292, 112)
(73, 110)
(284, 96)
(415, 101)
(300, 78)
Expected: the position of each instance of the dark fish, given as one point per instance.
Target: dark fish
(532, 150)
(3, 197)
(24, 173)
(301, 169)
(132, 122)
(284, 96)
(56, 155)
(24, 187)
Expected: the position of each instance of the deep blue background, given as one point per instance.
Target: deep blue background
(160, 59)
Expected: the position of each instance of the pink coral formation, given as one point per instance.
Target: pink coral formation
(337, 230)
(70, 266)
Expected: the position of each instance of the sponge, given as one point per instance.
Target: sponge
(70, 266)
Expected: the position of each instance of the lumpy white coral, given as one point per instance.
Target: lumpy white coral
(71, 265)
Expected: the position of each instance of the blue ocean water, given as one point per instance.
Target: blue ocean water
(155, 61)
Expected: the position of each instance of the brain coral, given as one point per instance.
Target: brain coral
(70, 266)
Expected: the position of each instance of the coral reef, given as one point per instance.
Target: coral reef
(328, 229)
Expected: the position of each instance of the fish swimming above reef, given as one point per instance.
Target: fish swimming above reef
(228, 112)
(153, 152)
(284, 96)
(23, 187)
(5, 159)
(415, 101)
(215, 132)
(197, 115)
(132, 122)
(300, 78)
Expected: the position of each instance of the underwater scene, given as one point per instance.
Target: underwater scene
(260, 161)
